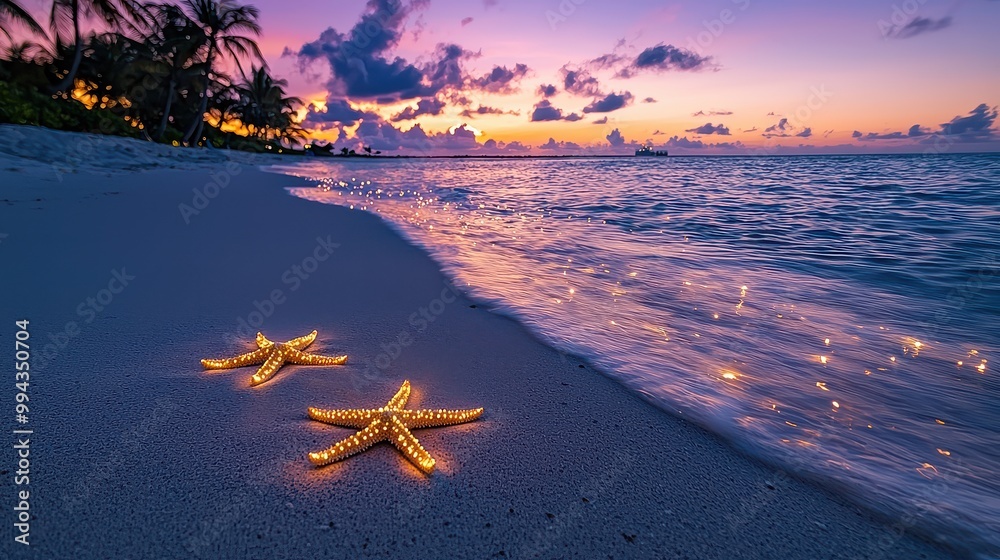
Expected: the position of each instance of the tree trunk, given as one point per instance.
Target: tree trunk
(199, 120)
(68, 81)
(166, 110)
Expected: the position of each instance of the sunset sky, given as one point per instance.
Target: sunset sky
(707, 76)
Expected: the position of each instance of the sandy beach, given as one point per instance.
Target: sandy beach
(128, 279)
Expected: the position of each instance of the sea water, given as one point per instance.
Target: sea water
(838, 317)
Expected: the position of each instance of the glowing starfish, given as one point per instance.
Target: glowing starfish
(273, 355)
(390, 423)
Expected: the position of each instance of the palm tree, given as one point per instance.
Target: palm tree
(171, 53)
(263, 106)
(226, 26)
(12, 11)
(67, 15)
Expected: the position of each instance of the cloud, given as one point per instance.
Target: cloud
(381, 135)
(754, 129)
(602, 120)
(649, 100)
(466, 21)
(336, 111)
(711, 113)
(658, 132)
(918, 26)
(485, 110)
(664, 58)
(685, 143)
(553, 145)
(501, 79)
(580, 82)
(490, 3)
(612, 102)
(424, 107)
(358, 59)
(784, 129)
(544, 111)
(977, 126)
(547, 90)
(615, 138)
(709, 128)
(446, 70)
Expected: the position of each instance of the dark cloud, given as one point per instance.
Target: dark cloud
(424, 107)
(709, 128)
(580, 82)
(919, 26)
(658, 132)
(547, 90)
(358, 59)
(501, 79)
(649, 100)
(977, 125)
(711, 113)
(611, 102)
(754, 129)
(336, 111)
(544, 111)
(615, 138)
(783, 129)
(602, 120)
(466, 21)
(664, 58)
(485, 110)
(446, 70)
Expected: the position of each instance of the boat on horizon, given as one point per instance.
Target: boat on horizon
(648, 151)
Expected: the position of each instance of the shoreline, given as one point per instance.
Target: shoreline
(166, 459)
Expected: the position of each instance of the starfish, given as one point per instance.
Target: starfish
(390, 423)
(273, 355)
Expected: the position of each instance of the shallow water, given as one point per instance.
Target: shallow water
(836, 316)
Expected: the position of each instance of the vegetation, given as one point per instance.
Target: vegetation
(160, 71)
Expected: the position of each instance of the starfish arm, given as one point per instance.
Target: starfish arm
(375, 432)
(262, 341)
(353, 418)
(401, 396)
(271, 365)
(255, 357)
(296, 357)
(409, 446)
(302, 341)
(430, 418)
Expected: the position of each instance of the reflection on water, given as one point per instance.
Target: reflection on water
(834, 315)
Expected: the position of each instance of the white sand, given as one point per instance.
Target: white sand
(138, 453)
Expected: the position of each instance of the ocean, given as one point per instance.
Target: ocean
(835, 316)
